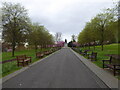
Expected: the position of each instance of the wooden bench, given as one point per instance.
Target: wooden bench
(46, 53)
(39, 55)
(50, 51)
(23, 59)
(111, 64)
(92, 56)
(80, 51)
(84, 52)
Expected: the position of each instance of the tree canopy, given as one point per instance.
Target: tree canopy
(102, 28)
(18, 28)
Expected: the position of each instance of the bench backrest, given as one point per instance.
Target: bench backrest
(21, 57)
(38, 53)
(85, 51)
(114, 60)
(94, 54)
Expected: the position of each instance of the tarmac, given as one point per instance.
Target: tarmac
(96, 77)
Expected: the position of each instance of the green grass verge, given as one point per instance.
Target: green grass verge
(31, 52)
(108, 49)
(11, 67)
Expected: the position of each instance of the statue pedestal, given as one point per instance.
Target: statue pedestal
(65, 45)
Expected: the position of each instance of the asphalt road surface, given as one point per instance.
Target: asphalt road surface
(60, 70)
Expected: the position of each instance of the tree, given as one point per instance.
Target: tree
(88, 34)
(39, 36)
(73, 38)
(33, 37)
(103, 27)
(15, 24)
(47, 38)
(101, 21)
(58, 36)
(70, 44)
(114, 26)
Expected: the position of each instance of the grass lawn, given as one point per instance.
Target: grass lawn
(31, 52)
(10, 67)
(108, 49)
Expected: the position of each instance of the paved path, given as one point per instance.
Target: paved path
(61, 70)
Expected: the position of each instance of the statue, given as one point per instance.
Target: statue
(65, 40)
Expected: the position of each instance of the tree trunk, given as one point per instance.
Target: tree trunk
(94, 44)
(13, 44)
(13, 49)
(102, 39)
(13, 38)
(35, 47)
(102, 47)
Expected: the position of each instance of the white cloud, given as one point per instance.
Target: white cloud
(66, 16)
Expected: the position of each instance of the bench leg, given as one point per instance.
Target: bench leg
(27, 62)
(114, 71)
(92, 59)
(18, 64)
(103, 66)
(23, 64)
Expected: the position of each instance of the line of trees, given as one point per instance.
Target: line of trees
(39, 37)
(103, 28)
(18, 28)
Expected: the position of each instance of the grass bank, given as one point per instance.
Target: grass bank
(10, 67)
(108, 49)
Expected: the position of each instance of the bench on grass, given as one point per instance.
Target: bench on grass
(23, 59)
(46, 53)
(39, 55)
(84, 52)
(50, 51)
(113, 63)
(80, 51)
(92, 56)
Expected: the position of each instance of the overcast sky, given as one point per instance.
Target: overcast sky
(66, 16)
